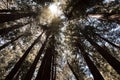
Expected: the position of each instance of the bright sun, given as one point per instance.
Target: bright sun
(55, 10)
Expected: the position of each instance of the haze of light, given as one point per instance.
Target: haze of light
(55, 10)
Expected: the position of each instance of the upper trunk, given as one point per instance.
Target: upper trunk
(33, 66)
(95, 72)
(45, 68)
(110, 59)
(6, 30)
(71, 68)
(8, 43)
(44, 72)
(107, 40)
(19, 63)
(14, 16)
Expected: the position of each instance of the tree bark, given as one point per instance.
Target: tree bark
(8, 43)
(53, 73)
(95, 72)
(19, 63)
(111, 17)
(106, 40)
(109, 58)
(44, 72)
(45, 68)
(14, 16)
(9, 10)
(6, 30)
(33, 66)
(77, 78)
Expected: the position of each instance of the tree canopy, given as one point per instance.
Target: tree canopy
(59, 39)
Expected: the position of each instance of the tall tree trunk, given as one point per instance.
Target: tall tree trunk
(53, 73)
(8, 43)
(71, 68)
(106, 40)
(9, 10)
(19, 63)
(44, 72)
(47, 75)
(45, 68)
(33, 66)
(95, 72)
(16, 77)
(52, 69)
(14, 16)
(110, 17)
(6, 30)
(109, 58)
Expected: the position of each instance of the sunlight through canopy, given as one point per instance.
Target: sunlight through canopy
(55, 9)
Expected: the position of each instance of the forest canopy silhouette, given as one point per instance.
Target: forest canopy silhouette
(60, 39)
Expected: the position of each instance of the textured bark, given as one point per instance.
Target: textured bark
(34, 64)
(45, 68)
(14, 16)
(17, 76)
(44, 72)
(109, 58)
(95, 72)
(107, 40)
(19, 63)
(52, 69)
(8, 10)
(42, 1)
(71, 68)
(6, 30)
(8, 43)
(53, 73)
(110, 17)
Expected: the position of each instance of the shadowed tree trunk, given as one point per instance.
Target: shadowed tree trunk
(45, 68)
(108, 57)
(9, 10)
(19, 63)
(95, 72)
(10, 42)
(110, 17)
(43, 1)
(53, 73)
(6, 30)
(71, 68)
(14, 16)
(33, 66)
(52, 69)
(44, 72)
(107, 40)
(17, 76)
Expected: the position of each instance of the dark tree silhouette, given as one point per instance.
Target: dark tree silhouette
(95, 72)
(44, 71)
(12, 73)
(110, 59)
(33, 66)
(14, 16)
(106, 40)
(62, 39)
(10, 42)
(71, 68)
(4, 31)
